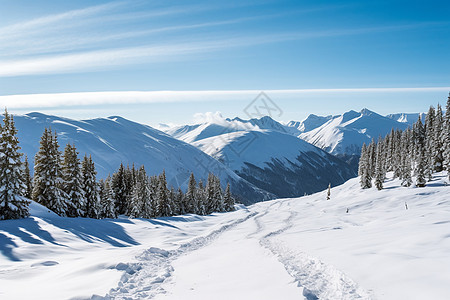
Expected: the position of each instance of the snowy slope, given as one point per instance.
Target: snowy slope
(308, 124)
(345, 134)
(281, 163)
(406, 118)
(300, 248)
(114, 140)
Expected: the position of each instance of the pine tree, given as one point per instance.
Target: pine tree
(90, 188)
(201, 199)
(47, 181)
(406, 159)
(28, 180)
(438, 158)
(73, 183)
(119, 190)
(228, 199)
(379, 172)
(420, 168)
(108, 203)
(12, 184)
(218, 195)
(179, 199)
(329, 192)
(140, 196)
(446, 137)
(364, 168)
(430, 121)
(191, 196)
(163, 208)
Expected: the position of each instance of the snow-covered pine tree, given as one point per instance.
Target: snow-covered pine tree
(379, 171)
(154, 183)
(420, 167)
(429, 142)
(119, 190)
(140, 195)
(228, 199)
(397, 158)
(108, 203)
(180, 202)
(371, 158)
(406, 159)
(201, 199)
(12, 185)
(163, 208)
(47, 180)
(362, 158)
(90, 188)
(438, 158)
(218, 195)
(28, 180)
(364, 166)
(191, 196)
(210, 194)
(329, 192)
(73, 183)
(130, 181)
(175, 210)
(446, 137)
(390, 151)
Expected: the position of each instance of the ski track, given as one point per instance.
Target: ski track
(144, 279)
(319, 280)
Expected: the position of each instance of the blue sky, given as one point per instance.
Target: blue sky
(321, 57)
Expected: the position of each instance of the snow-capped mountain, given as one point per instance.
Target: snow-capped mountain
(308, 124)
(409, 119)
(344, 135)
(115, 140)
(280, 162)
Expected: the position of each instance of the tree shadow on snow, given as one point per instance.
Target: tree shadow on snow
(89, 230)
(25, 229)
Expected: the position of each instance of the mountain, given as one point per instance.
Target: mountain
(115, 140)
(344, 135)
(281, 163)
(409, 119)
(308, 124)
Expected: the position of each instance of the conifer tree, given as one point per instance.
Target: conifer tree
(379, 172)
(47, 180)
(108, 203)
(446, 137)
(201, 199)
(329, 192)
(28, 180)
(438, 159)
(179, 199)
(119, 190)
(218, 195)
(191, 196)
(12, 185)
(406, 159)
(73, 183)
(90, 187)
(430, 120)
(364, 168)
(228, 199)
(163, 208)
(140, 196)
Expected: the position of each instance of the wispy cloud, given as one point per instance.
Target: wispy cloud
(41, 101)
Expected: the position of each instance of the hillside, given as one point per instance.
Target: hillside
(299, 248)
(116, 140)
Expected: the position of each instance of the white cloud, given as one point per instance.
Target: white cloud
(141, 97)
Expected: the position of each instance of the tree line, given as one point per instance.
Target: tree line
(416, 152)
(69, 187)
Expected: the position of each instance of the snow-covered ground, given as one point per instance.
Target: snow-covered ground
(303, 248)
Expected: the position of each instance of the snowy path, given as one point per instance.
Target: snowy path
(241, 260)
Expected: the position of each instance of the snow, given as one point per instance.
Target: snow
(115, 140)
(299, 248)
(346, 133)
